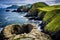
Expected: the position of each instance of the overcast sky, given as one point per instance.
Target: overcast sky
(29, 1)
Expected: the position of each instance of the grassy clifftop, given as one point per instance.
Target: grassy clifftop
(34, 7)
(51, 17)
(39, 4)
(50, 8)
(54, 24)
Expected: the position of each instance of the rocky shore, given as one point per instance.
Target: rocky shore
(24, 32)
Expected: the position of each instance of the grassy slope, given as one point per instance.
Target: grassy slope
(50, 8)
(47, 9)
(52, 16)
(54, 25)
(37, 5)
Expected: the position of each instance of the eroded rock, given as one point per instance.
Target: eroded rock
(26, 32)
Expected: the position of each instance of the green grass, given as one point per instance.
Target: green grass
(50, 8)
(54, 25)
(50, 15)
(37, 5)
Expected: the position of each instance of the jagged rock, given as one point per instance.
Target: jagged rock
(26, 32)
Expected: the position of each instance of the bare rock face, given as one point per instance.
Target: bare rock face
(26, 32)
(11, 30)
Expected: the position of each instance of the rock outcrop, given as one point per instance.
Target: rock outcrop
(26, 32)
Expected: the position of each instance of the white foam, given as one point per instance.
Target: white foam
(1, 29)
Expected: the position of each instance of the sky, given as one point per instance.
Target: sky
(28, 1)
(19, 2)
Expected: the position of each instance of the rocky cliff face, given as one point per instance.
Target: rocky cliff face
(24, 32)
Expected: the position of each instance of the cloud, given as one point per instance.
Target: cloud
(4, 6)
(29, 1)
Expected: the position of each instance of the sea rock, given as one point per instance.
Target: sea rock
(26, 32)
(7, 10)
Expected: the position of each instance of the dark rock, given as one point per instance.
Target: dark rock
(43, 24)
(23, 9)
(1, 37)
(32, 13)
(7, 10)
(31, 18)
(38, 18)
(56, 35)
(27, 28)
